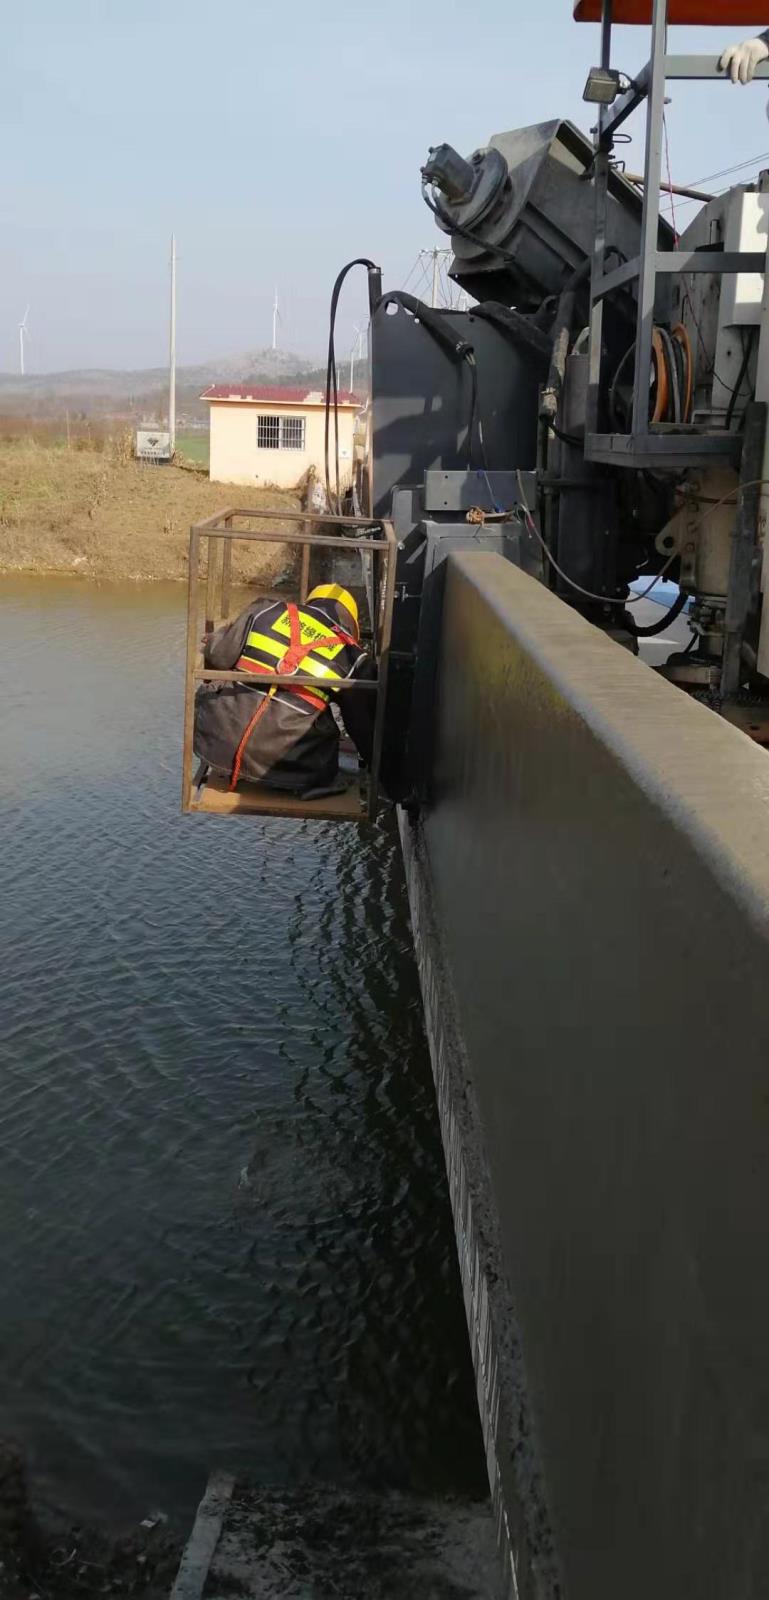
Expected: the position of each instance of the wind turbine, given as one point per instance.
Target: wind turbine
(172, 352)
(275, 320)
(23, 329)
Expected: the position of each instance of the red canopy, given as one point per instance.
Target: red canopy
(740, 14)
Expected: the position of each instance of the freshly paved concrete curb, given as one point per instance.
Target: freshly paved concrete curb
(199, 1549)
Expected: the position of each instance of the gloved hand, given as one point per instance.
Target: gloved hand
(741, 60)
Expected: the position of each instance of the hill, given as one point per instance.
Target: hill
(91, 393)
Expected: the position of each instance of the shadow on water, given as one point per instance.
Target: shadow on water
(224, 1227)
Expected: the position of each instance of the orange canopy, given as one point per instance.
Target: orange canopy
(740, 14)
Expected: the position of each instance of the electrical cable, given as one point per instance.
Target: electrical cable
(749, 161)
(334, 501)
(566, 438)
(738, 489)
(659, 627)
(615, 384)
(604, 600)
(466, 233)
(674, 390)
(670, 178)
(747, 351)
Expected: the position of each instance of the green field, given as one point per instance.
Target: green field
(193, 445)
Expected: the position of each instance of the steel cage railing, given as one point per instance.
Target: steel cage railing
(220, 534)
(645, 445)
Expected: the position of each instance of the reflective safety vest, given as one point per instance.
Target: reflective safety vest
(300, 639)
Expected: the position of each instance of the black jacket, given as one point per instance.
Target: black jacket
(295, 743)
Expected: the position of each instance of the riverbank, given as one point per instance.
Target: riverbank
(101, 514)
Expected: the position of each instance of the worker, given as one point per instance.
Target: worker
(277, 736)
(741, 60)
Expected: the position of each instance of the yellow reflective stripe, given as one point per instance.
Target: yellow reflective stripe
(311, 629)
(317, 669)
(270, 647)
(262, 641)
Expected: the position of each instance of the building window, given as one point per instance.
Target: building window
(292, 433)
(280, 433)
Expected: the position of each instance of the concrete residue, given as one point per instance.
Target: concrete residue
(315, 1544)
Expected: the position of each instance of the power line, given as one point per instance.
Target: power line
(750, 161)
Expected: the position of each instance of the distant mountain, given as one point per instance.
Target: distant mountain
(133, 395)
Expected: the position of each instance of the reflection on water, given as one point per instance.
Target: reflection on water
(224, 1231)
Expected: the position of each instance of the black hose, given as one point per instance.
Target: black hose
(747, 352)
(551, 394)
(658, 627)
(331, 378)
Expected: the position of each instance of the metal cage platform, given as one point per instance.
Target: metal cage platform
(372, 538)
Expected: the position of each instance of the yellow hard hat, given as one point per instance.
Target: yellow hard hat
(334, 591)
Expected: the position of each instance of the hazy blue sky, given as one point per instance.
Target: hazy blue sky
(278, 140)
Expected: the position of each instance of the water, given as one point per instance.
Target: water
(224, 1229)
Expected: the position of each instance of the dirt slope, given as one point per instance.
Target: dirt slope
(98, 514)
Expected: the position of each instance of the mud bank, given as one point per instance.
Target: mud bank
(100, 514)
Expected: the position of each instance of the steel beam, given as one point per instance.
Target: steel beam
(704, 68)
(689, 448)
(596, 868)
(650, 219)
(626, 104)
(617, 279)
(674, 261)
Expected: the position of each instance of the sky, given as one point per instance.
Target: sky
(277, 140)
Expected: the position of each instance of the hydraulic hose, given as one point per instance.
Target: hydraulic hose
(564, 318)
(664, 622)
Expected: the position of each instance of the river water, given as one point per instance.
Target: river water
(224, 1229)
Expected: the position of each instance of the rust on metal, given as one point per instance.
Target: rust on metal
(220, 532)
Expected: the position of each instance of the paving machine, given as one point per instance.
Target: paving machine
(586, 845)
(597, 415)
(600, 417)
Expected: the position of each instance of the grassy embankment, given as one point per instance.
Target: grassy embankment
(98, 513)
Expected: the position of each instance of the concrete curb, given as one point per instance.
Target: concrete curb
(199, 1550)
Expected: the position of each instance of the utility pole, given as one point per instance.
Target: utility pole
(434, 290)
(23, 329)
(172, 351)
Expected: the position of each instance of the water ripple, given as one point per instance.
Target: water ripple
(224, 1233)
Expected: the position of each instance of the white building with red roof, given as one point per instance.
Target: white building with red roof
(264, 435)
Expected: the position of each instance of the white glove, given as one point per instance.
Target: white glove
(741, 60)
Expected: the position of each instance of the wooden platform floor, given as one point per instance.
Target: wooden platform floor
(252, 799)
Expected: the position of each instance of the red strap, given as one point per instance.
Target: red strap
(297, 651)
(259, 712)
(290, 663)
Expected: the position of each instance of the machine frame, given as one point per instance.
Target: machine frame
(660, 446)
